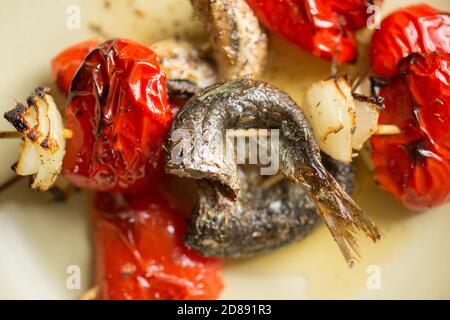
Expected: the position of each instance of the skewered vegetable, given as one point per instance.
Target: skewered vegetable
(367, 112)
(413, 48)
(418, 28)
(43, 143)
(118, 109)
(323, 28)
(414, 165)
(67, 62)
(140, 253)
(341, 121)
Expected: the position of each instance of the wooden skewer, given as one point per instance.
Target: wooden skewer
(248, 132)
(67, 134)
(91, 294)
(387, 129)
(10, 134)
(382, 129)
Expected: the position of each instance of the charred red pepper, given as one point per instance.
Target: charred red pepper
(413, 48)
(67, 62)
(119, 114)
(415, 165)
(323, 28)
(417, 28)
(140, 253)
(428, 80)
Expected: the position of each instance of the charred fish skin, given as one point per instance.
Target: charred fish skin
(186, 70)
(262, 219)
(243, 103)
(257, 222)
(238, 41)
(181, 89)
(247, 103)
(182, 62)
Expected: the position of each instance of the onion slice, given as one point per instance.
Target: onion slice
(43, 144)
(367, 111)
(329, 108)
(341, 121)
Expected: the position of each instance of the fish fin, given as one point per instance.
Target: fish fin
(344, 218)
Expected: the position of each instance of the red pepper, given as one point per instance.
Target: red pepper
(140, 253)
(67, 62)
(415, 164)
(323, 28)
(119, 114)
(417, 28)
(428, 79)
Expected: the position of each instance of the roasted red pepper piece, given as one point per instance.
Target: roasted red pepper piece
(140, 253)
(428, 80)
(67, 62)
(355, 11)
(417, 28)
(119, 114)
(414, 165)
(323, 28)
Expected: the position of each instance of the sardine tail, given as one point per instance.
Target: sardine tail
(344, 218)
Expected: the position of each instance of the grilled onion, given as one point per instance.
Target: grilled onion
(341, 121)
(43, 143)
(367, 112)
(330, 111)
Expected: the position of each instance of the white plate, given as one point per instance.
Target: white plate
(39, 240)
